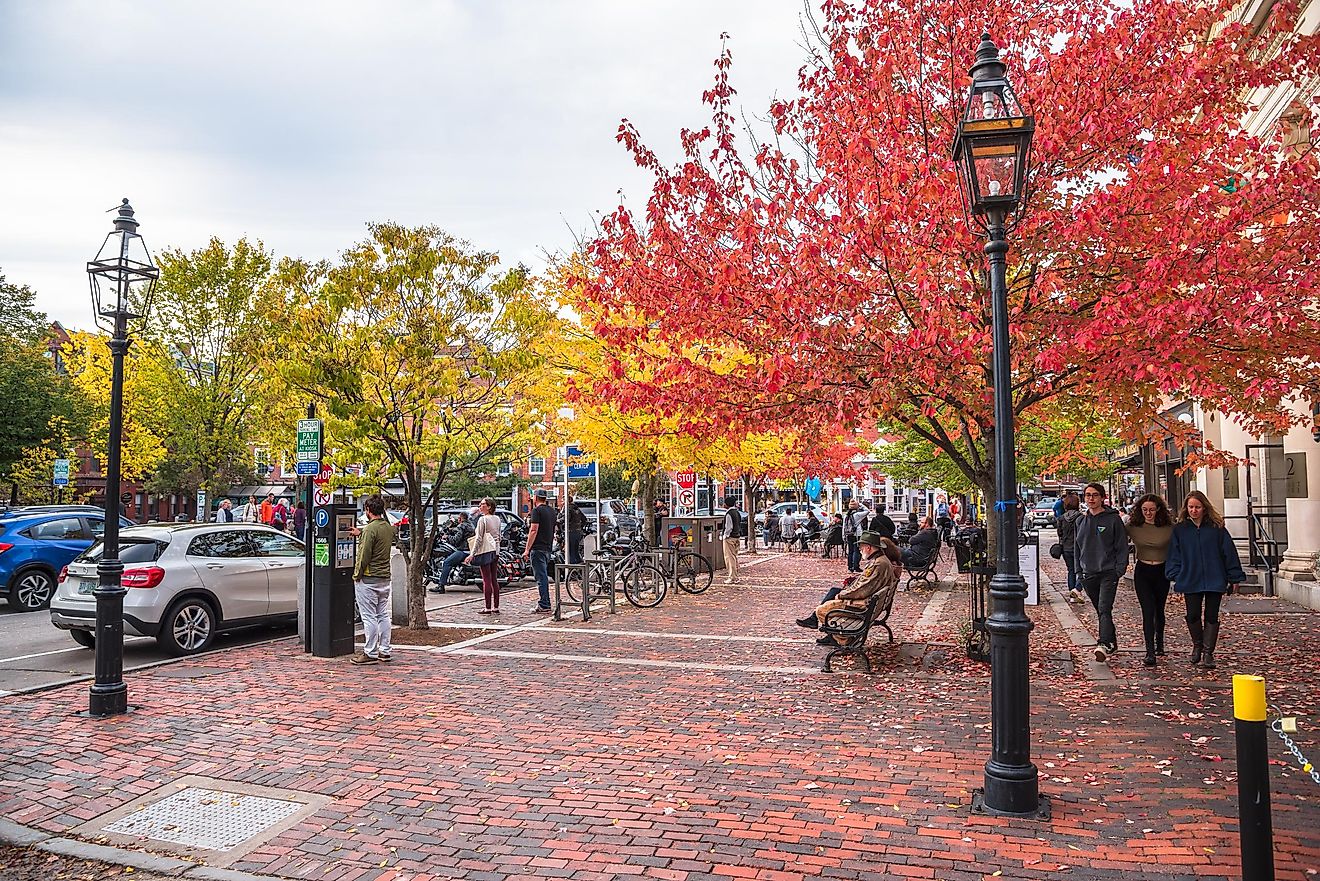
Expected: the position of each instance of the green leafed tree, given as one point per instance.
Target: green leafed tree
(42, 408)
(417, 347)
(209, 330)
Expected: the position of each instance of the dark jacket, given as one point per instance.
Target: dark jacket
(1202, 559)
(1066, 526)
(883, 524)
(1101, 543)
(923, 546)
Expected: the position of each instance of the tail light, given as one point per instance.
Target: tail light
(64, 573)
(149, 576)
(4, 546)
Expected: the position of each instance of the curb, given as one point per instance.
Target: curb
(18, 835)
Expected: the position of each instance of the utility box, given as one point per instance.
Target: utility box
(334, 554)
(701, 534)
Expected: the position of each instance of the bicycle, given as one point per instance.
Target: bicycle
(644, 584)
(688, 570)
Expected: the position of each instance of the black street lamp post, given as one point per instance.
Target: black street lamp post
(991, 149)
(122, 280)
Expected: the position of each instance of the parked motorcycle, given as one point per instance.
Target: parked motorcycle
(509, 565)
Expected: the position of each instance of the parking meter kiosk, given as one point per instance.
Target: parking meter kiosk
(334, 555)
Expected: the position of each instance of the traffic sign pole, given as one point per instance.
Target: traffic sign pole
(316, 427)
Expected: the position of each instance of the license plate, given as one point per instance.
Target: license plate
(86, 587)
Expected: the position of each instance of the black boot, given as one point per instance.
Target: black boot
(1198, 635)
(1159, 643)
(1149, 660)
(810, 622)
(1211, 638)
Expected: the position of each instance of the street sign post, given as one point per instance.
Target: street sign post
(581, 469)
(201, 506)
(308, 458)
(61, 477)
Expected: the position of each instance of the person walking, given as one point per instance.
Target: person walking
(279, 515)
(1066, 527)
(252, 513)
(1102, 554)
(268, 508)
(1150, 529)
(484, 553)
(540, 544)
(371, 582)
(300, 521)
(853, 524)
(735, 527)
(1203, 565)
(224, 514)
(577, 528)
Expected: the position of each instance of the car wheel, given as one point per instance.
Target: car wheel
(84, 638)
(31, 590)
(188, 627)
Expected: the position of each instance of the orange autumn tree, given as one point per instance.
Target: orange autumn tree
(830, 249)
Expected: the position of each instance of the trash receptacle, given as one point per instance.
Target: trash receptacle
(701, 534)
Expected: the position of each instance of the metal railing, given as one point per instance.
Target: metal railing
(1258, 546)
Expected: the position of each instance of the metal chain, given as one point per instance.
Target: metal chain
(1309, 768)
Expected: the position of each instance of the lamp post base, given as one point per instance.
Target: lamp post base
(111, 700)
(1042, 811)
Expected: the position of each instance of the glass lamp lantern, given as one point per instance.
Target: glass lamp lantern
(122, 276)
(993, 144)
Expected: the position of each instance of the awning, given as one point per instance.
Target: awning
(277, 489)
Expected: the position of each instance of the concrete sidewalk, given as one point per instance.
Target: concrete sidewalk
(692, 741)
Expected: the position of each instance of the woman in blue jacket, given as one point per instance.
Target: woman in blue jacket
(1203, 565)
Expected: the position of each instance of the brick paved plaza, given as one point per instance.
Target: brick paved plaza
(698, 740)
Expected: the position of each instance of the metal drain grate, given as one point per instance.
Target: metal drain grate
(210, 819)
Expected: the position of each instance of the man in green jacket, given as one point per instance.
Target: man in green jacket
(371, 583)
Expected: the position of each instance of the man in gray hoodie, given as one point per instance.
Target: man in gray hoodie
(1102, 555)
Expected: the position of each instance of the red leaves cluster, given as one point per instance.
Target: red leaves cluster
(834, 256)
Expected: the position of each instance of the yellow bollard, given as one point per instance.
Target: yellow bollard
(1254, 824)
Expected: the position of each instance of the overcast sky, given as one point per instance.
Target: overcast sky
(298, 122)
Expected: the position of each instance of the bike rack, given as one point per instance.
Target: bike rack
(593, 587)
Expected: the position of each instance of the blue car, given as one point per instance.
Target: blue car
(36, 543)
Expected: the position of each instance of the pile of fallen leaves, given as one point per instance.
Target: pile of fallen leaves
(29, 864)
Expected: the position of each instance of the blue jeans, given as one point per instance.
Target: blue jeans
(450, 562)
(541, 570)
(854, 554)
(1070, 560)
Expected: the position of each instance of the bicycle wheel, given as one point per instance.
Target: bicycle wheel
(573, 586)
(645, 586)
(693, 573)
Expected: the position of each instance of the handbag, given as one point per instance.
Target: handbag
(482, 547)
(1056, 550)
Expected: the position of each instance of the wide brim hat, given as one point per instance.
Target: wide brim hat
(874, 539)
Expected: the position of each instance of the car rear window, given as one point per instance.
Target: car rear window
(131, 550)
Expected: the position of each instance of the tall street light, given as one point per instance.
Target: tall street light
(122, 279)
(991, 150)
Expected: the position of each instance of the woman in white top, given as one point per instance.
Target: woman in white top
(487, 536)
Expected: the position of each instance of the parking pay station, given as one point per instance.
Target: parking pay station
(334, 553)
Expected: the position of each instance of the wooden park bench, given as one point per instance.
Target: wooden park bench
(856, 624)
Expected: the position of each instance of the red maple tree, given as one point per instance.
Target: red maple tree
(823, 269)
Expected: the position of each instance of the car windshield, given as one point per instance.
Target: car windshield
(131, 550)
(1044, 504)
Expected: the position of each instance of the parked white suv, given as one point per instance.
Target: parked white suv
(188, 582)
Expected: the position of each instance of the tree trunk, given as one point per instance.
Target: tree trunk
(415, 555)
(749, 504)
(986, 484)
(648, 483)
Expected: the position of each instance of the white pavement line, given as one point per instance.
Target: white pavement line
(5, 693)
(930, 617)
(454, 625)
(636, 662)
(76, 648)
(663, 634)
(744, 561)
(516, 628)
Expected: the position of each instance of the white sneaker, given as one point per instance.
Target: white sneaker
(1101, 653)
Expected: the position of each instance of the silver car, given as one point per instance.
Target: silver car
(187, 582)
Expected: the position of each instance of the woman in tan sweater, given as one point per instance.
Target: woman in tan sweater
(1150, 530)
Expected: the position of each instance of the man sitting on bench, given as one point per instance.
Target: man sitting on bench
(880, 558)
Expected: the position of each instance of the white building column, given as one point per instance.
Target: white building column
(1297, 573)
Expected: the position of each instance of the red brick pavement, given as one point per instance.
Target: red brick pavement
(670, 761)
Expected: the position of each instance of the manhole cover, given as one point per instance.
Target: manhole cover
(210, 819)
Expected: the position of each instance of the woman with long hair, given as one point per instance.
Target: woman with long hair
(484, 554)
(1151, 529)
(1203, 565)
